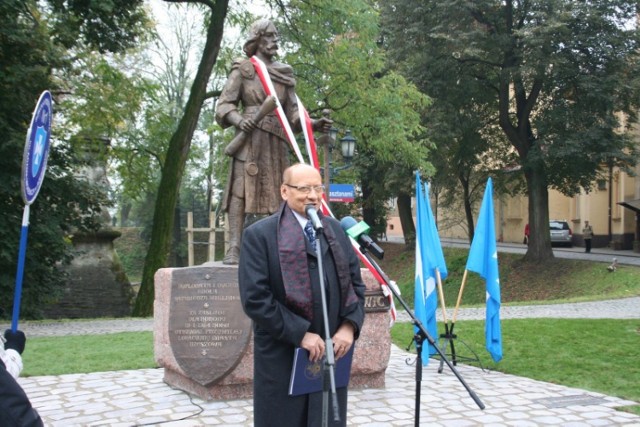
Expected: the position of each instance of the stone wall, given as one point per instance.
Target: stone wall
(97, 285)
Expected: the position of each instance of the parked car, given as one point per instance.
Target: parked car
(560, 232)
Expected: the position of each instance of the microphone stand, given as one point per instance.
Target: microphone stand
(328, 368)
(419, 338)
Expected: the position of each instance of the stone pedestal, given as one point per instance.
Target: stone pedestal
(202, 338)
(97, 285)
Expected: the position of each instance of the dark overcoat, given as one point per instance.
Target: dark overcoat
(15, 407)
(278, 330)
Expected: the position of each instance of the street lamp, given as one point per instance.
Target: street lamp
(347, 149)
(348, 145)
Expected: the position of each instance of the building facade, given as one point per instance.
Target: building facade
(611, 208)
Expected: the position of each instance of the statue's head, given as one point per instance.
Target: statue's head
(257, 30)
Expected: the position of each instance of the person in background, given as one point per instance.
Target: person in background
(15, 407)
(587, 235)
(526, 234)
(280, 291)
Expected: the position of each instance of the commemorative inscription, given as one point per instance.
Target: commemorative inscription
(375, 301)
(208, 330)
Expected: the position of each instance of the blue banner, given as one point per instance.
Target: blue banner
(429, 258)
(342, 193)
(483, 259)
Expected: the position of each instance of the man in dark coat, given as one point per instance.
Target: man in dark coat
(280, 292)
(15, 407)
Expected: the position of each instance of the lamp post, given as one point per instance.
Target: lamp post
(328, 146)
(348, 145)
(347, 149)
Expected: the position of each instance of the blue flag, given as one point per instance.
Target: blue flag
(429, 257)
(483, 259)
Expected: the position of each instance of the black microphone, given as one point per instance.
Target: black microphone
(357, 231)
(312, 214)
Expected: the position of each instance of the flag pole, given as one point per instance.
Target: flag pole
(441, 295)
(448, 332)
(455, 311)
(22, 251)
(448, 328)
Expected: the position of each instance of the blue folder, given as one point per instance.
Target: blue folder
(306, 376)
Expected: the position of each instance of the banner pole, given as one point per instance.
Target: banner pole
(441, 294)
(17, 297)
(455, 312)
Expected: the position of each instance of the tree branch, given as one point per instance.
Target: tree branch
(207, 3)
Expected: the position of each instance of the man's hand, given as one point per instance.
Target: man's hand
(343, 339)
(15, 340)
(314, 344)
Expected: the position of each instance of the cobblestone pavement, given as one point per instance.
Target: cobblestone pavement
(625, 308)
(140, 397)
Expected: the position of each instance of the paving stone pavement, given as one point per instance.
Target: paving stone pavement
(624, 308)
(140, 397)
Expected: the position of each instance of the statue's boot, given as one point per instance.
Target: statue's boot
(236, 224)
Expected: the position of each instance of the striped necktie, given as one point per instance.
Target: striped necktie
(311, 235)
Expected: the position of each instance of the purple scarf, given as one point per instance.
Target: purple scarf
(295, 271)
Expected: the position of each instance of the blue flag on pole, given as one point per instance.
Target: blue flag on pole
(483, 259)
(429, 257)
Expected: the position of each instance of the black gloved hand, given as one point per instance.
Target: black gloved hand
(15, 340)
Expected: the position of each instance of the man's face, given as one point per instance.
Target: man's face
(308, 181)
(268, 45)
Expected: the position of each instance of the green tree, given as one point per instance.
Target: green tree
(33, 58)
(466, 154)
(335, 50)
(559, 71)
(176, 158)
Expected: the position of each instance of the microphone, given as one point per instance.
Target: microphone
(312, 214)
(357, 231)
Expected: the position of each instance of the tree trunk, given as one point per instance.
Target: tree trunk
(175, 260)
(468, 209)
(172, 172)
(539, 249)
(124, 214)
(406, 219)
(368, 211)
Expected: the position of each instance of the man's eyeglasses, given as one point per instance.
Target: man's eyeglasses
(306, 189)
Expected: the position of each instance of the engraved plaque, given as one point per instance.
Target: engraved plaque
(208, 330)
(374, 300)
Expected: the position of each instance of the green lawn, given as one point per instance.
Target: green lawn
(598, 355)
(88, 353)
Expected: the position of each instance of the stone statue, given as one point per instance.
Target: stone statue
(260, 151)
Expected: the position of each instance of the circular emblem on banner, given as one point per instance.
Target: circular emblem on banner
(36, 150)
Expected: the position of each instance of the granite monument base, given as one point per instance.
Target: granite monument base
(202, 338)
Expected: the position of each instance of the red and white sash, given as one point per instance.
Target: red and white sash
(312, 151)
